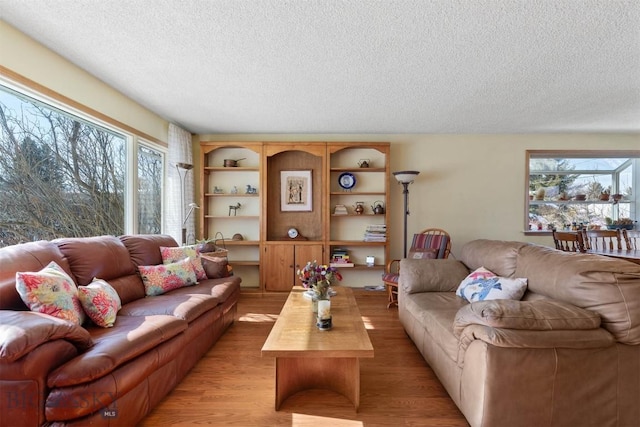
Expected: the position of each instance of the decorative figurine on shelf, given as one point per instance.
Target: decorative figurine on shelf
(234, 208)
(359, 208)
(234, 190)
(217, 190)
(364, 163)
(251, 190)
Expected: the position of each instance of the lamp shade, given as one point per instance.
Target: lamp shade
(405, 177)
(185, 166)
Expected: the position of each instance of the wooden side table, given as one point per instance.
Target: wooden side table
(392, 290)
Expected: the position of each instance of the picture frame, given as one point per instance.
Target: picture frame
(296, 191)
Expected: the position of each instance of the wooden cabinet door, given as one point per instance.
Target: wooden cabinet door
(278, 267)
(281, 262)
(304, 254)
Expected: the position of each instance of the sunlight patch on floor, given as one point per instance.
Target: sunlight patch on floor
(302, 420)
(367, 323)
(258, 318)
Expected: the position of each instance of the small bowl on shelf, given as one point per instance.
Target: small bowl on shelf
(581, 197)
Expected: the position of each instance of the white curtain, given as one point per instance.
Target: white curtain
(175, 209)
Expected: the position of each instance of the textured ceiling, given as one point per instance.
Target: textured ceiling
(356, 66)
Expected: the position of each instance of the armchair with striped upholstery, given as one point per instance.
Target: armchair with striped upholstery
(432, 243)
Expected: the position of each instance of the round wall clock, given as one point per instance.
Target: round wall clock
(346, 180)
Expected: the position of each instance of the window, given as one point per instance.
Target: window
(150, 172)
(567, 189)
(62, 175)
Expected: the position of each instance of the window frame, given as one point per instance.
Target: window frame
(578, 154)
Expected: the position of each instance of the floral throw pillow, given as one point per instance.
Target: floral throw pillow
(496, 287)
(174, 254)
(480, 273)
(50, 291)
(159, 279)
(100, 301)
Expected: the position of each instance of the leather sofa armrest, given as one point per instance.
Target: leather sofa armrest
(23, 331)
(541, 315)
(431, 275)
(514, 338)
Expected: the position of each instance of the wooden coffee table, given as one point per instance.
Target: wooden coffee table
(307, 357)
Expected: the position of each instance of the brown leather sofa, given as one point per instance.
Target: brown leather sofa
(567, 354)
(53, 372)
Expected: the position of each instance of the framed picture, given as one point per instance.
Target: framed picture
(296, 191)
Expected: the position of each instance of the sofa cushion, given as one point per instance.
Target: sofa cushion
(175, 254)
(50, 291)
(607, 286)
(30, 256)
(186, 305)
(130, 337)
(144, 249)
(160, 279)
(23, 331)
(436, 312)
(220, 288)
(429, 275)
(100, 302)
(87, 256)
(544, 315)
(496, 255)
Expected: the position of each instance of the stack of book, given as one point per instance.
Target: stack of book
(375, 233)
(340, 258)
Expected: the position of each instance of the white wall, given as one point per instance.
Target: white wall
(470, 185)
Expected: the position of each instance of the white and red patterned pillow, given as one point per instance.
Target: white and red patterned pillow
(51, 291)
(174, 254)
(480, 273)
(100, 301)
(159, 279)
(483, 285)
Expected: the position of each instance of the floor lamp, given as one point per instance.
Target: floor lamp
(405, 178)
(186, 167)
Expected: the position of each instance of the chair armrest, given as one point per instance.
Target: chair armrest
(23, 331)
(431, 275)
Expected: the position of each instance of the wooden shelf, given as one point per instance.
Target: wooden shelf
(231, 195)
(236, 169)
(244, 263)
(355, 243)
(358, 170)
(358, 193)
(358, 215)
(266, 259)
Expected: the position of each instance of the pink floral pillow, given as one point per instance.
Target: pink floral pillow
(50, 291)
(159, 279)
(170, 255)
(100, 301)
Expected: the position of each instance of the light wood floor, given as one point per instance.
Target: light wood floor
(233, 385)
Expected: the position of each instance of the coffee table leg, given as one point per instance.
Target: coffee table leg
(339, 374)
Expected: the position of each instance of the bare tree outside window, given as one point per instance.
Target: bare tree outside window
(150, 171)
(60, 176)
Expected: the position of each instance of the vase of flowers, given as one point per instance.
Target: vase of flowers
(318, 278)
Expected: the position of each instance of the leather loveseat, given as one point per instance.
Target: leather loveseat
(55, 372)
(567, 354)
